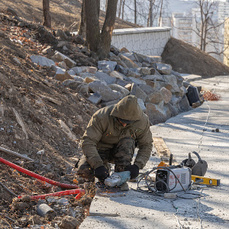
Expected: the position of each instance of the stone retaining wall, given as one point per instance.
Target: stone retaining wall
(147, 41)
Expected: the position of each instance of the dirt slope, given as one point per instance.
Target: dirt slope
(34, 112)
(65, 14)
(185, 58)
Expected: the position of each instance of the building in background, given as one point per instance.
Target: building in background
(182, 27)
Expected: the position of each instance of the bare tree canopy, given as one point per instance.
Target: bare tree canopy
(208, 28)
(144, 12)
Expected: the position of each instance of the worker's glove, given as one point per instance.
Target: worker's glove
(101, 173)
(134, 171)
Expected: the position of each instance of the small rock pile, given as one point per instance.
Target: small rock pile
(160, 90)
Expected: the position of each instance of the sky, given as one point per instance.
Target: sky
(173, 6)
(177, 6)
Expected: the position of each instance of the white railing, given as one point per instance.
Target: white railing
(147, 41)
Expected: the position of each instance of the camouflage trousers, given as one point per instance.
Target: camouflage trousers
(121, 156)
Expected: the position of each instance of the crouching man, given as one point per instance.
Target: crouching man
(111, 137)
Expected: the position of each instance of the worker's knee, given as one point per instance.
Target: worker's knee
(124, 154)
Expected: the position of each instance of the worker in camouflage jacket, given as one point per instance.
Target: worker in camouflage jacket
(111, 137)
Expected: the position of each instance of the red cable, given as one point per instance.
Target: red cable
(80, 193)
(37, 176)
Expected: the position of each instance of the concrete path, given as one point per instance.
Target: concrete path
(187, 132)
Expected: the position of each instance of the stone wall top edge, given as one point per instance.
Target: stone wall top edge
(140, 30)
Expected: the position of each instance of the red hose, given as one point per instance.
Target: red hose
(37, 176)
(80, 193)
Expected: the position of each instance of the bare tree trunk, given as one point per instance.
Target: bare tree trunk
(120, 8)
(46, 14)
(205, 35)
(82, 29)
(202, 23)
(135, 11)
(92, 24)
(160, 15)
(107, 29)
(150, 15)
(123, 8)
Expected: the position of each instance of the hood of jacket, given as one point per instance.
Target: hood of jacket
(128, 109)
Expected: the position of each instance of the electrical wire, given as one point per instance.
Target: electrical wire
(206, 121)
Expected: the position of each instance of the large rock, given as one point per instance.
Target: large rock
(87, 74)
(171, 110)
(146, 88)
(147, 71)
(95, 98)
(105, 77)
(183, 105)
(41, 60)
(117, 75)
(137, 81)
(106, 66)
(164, 69)
(107, 93)
(148, 59)
(118, 61)
(121, 69)
(155, 97)
(79, 70)
(89, 80)
(184, 57)
(133, 72)
(138, 92)
(83, 89)
(166, 95)
(129, 63)
(58, 56)
(73, 84)
(153, 77)
(156, 113)
(130, 55)
(62, 75)
(141, 104)
(172, 81)
(122, 90)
